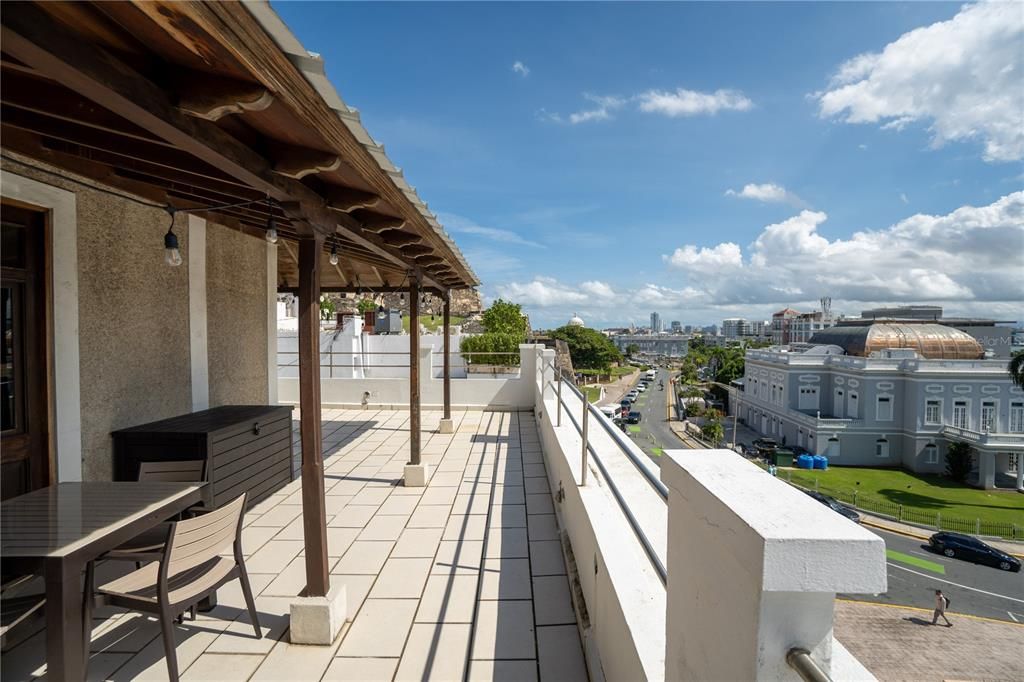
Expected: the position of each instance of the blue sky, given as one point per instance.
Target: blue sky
(605, 173)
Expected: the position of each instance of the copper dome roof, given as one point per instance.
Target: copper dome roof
(932, 341)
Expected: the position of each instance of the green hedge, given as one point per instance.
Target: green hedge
(499, 344)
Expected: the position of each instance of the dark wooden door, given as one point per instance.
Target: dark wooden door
(24, 407)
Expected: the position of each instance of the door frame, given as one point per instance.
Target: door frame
(63, 363)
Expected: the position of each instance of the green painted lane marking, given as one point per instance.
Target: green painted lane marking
(634, 429)
(915, 561)
(657, 451)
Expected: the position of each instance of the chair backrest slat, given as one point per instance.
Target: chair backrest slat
(194, 541)
(179, 471)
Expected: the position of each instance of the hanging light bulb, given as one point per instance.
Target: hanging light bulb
(381, 313)
(271, 234)
(401, 297)
(334, 252)
(172, 254)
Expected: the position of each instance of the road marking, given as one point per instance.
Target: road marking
(914, 561)
(1010, 614)
(950, 582)
(924, 610)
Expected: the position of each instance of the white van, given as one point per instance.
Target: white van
(651, 375)
(610, 411)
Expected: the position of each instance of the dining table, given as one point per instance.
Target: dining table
(56, 531)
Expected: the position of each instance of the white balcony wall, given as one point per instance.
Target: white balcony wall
(473, 392)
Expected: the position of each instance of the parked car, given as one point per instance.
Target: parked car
(641, 387)
(632, 396)
(633, 417)
(970, 548)
(835, 506)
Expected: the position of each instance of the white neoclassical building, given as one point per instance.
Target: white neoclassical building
(890, 394)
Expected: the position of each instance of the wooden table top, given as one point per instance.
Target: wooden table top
(61, 519)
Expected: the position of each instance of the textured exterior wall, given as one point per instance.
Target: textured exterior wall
(133, 319)
(236, 304)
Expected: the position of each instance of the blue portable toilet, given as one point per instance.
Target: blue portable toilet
(805, 462)
(820, 462)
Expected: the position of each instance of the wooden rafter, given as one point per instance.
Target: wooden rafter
(346, 200)
(33, 38)
(298, 162)
(213, 98)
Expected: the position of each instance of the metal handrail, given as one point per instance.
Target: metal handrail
(652, 555)
(806, 667)
(623, 444)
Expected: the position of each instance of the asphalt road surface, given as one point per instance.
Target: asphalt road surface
(915, 573)
(652, 434)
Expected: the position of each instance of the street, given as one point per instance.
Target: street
(915, 573)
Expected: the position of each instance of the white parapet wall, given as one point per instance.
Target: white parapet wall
(753, 569)
(484, 392)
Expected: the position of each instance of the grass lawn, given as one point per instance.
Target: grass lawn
(925, 493)
(593, 393)
(431, 325)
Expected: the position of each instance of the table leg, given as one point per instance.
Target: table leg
(64, 646)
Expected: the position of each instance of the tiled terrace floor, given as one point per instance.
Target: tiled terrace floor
(463, 579)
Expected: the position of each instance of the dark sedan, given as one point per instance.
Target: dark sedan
(633, 418)
(969, 548)
(835, 506)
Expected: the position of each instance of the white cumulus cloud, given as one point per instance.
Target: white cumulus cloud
(963, 77)
(521, 69)
(457, 223)
(604, 105)
(972, 254)
(683, 102)
(767, 192)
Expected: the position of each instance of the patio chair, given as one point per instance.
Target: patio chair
(184, 571)
(21, 604)
(182, 471)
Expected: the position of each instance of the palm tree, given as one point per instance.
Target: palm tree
(1016, 368)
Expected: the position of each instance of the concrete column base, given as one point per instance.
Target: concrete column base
(318, 620)
(416, 475)
(446, 426)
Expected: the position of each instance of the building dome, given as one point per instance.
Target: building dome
(931, 341)
(576, 321)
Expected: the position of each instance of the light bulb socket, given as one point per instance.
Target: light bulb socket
(170, 240)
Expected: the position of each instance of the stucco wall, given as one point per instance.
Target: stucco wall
(236, 300)
(133, 319)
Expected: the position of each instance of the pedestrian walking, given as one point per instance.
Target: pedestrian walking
(941, 603)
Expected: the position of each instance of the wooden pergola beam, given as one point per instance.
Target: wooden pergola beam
(213, 98)
(31, 36)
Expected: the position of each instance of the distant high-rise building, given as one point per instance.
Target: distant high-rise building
(656, 327)
(688, 329)
(676, 326)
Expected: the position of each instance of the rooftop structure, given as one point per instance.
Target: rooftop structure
(932, 341)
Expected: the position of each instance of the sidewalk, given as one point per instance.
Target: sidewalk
(614, 391)
(899, 643)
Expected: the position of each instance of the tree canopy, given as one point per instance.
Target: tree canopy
(588, 348)
(505, 317)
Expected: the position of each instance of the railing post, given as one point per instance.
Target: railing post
(899, 512)
(586, 423)
(558, 397)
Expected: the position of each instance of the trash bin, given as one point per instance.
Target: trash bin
(782, 457)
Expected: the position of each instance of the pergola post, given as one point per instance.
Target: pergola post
(416, 473)
(316, 617)
(446, 425)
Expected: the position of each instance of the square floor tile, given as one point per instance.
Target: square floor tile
(504, 629)
(552, 600)
(502, 671)
(438, 495)
(465, 527)
(401, 505)
(542, 526)
(539, 504)
(508, 516)
(459, 556)
(448, 599)
(380, 628)
(560, 654)
(353, 516)
(507, 542)
(339, 540)
(505, 579)
(401, 579)
(273, 556)
(435, 651)
(344, 669)
(417, 542)
(537, 485)
(222, 667)
(384, 528)
(364, 557)
(429, 516)
(546, 557)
